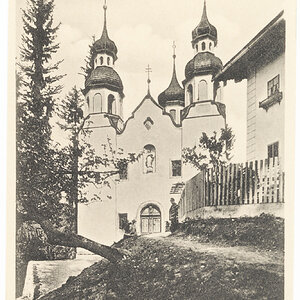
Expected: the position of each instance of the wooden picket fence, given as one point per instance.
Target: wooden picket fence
(237, 184)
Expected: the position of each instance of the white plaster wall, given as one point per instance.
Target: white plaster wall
(207, 41)
(237, 211)
(177, 109)
(203, 117)
(269, 125)
(97, 220)
(105, 56)
(195, 83)
(140, 189)
(104, 93)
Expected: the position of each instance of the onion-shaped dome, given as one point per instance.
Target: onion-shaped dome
(104, 76)
(203, 63)
(205, 29)
(105, 44)
(174, 93)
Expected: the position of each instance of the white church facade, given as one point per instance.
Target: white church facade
(158, 128)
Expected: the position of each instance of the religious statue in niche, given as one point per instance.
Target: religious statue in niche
(149, 159)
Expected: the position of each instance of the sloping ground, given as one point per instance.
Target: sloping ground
(177, 268)
(263, 232)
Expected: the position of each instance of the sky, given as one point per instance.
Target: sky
(144, 31)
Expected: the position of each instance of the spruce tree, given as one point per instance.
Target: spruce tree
(43, 170)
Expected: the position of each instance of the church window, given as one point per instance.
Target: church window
(123, 170)
(190, 94)
(210, 46)
(108, 60)
(111, 104)
(273, 86)
(173, 114)
(197, 47)
(101, 60)
(123, 220)
(97, 105)
(149, 161)
(97, 177)
(176, 168)
(202, 90)
(203, 46)
(148, 123)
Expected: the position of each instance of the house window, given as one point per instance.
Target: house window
(176, 168)
(273, 150)
(203, 46)
(210, 46)
(108, 60)
(123, 220)
(173, 114)
(101, 60)
(197, 47)
(273, 86)
(149, 159)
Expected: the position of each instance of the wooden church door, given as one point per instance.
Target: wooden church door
(150, 219)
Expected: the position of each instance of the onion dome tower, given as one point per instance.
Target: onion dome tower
(104, 87)
(200, 70)
(172, 99)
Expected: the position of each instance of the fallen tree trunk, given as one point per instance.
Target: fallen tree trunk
(70, 239)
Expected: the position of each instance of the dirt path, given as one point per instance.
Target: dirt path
(240, 254)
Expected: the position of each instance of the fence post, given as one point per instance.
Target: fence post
(256, 183)
(251, 182)
(233, 188)
(246, 200)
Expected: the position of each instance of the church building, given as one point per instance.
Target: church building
(159, 129)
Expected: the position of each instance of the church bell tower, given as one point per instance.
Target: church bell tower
(104, 87)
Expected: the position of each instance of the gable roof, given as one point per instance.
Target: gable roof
(270, 41)
(148, 97)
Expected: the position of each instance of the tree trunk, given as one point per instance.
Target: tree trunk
(70, 239)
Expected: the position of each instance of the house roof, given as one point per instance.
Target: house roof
(266, 45)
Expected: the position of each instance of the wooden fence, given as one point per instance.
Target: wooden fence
(237, 184)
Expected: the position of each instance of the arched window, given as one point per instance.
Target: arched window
(108, 60)
(203, 90)
(203, 46)
(190, 94)
(101, 60)
(88, 101)
(149, 160)
(111, 104)
(173, 114)
(210, 46)
(97, 105)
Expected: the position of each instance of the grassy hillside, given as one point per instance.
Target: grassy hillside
(263, 232)
(162, 269)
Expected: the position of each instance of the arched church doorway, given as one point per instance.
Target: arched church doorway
(150, 219)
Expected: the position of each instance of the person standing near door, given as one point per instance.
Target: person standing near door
(173, 215)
